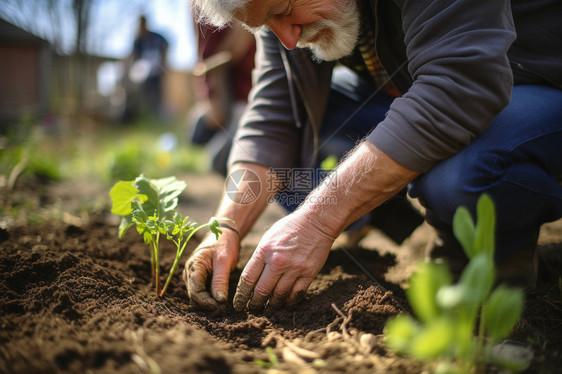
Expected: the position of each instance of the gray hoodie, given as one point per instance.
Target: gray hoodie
(448, 59)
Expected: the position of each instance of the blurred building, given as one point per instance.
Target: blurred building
(36, 81)
(25, 65)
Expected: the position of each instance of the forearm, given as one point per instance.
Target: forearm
(244, 215)
(363, 181)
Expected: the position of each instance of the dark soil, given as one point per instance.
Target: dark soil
(76, 299)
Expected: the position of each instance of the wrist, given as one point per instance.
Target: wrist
(317, 217)
(225, 226)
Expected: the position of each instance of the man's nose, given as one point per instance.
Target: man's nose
(288, 33)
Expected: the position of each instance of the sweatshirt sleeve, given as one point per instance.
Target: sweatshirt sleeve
(267, 133)
(457, 57)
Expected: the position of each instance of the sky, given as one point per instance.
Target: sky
(114, 25)
(171, 18)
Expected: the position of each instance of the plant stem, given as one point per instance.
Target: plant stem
(152, 262)
(179, 252)
(480, 344)
(156, 264)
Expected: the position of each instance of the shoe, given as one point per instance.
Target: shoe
(550, 262)
(520, 268)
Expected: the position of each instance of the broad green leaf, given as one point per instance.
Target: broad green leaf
(162, 194)
(484, 237)
(501, 311)
(477, 279)
(424, 285)
(122, 194)
(434, 340)
(169, 189)
(463, 228)
(145, 186)
(399, 331)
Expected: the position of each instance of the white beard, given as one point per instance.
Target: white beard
(341, 38)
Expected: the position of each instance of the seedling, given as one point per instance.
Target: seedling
(150, 204)
(448, 314)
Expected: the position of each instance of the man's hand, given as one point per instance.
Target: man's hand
(216, 259)
(293, 251)
(287, 259)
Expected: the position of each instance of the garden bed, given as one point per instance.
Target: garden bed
(76, 299)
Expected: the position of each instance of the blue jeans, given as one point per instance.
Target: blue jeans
(517, 161)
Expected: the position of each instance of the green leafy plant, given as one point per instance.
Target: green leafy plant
(150, 204)
(458, 324)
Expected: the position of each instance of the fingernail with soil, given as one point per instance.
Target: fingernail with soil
(239, 303)
(242, 295)
(220, 297)
(257, 303)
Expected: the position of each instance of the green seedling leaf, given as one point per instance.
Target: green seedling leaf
(424, 285)
(477, 279)
(501, 311)
(162, 194)
(125, 224)
(484, 237)
(458, 300)
(214, 227)
(122, 194)
(169, 190)
(399, 332)
(463, 228)
(434, 340)
(449, 313)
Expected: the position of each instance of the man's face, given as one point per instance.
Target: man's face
(329, 28)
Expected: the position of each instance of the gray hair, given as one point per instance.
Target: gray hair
(217, 12)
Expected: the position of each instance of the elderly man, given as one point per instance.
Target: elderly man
(441, 96)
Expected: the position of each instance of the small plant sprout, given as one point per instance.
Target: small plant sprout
(150, 204)
(449, 315)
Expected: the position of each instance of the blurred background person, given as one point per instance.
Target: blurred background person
(146, 67)
(223, 81)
